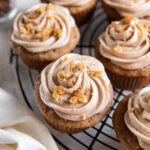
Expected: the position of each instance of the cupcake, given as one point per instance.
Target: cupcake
(117, 9)
(124, 50)
(73, 93)
(131, 121)
(81, 10)
(42, 34)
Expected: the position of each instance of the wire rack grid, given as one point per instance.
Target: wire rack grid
(101, 136)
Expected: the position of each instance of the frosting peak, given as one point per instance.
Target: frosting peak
(137, 118)
(126, 43)
(43, 28)
(75, 86)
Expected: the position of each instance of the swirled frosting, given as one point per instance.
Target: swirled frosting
(137, 117)
(70, 2)
(76, 87)
(43, 28)
(126, 43)
(136, 8)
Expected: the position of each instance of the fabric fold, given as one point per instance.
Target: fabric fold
(20, 128)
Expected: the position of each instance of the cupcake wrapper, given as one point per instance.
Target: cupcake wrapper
(69, 130)
(81, 16)
(34, 64)
(128, 140)
(111, 13)
(84, 16)
(127, 83)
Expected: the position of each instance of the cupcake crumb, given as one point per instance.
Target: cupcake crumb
(127, 19)
(83, 116)
(64, 74)
(23, 30)
(94, 73)
(58, 32)
(81, 66)
(78, 97)
(50, 7)
(131, 110)
(148, 99)
(117, 48)
(72, 65)
(58, 92)
(66, 58)
(41, 9)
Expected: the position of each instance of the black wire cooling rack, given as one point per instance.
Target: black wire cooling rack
(99, 137)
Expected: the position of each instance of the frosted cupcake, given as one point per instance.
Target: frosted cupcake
(124, 50)
(131, 121)
(42, 34)
(74, 93)
(81, 10)
(117, 9)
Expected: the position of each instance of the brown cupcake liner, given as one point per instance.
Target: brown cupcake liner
(82, 14)
(39, 60)
(68, 126)
(111, 13)
(127, 83)
(122, 78)
(128, 140)
(114, 15)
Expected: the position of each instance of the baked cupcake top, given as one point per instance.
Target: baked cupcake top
(126, 43)
(136, 8)
(43, 28)
(70, 2)
(76, 87)
(137, 117)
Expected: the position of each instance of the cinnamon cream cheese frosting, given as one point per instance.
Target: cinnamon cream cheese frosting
(43, 28)
(137, 117)
(136, 8)
(126, 43)
(76, 87)
(70, 2)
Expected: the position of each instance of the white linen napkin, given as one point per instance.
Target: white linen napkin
(20, 128)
